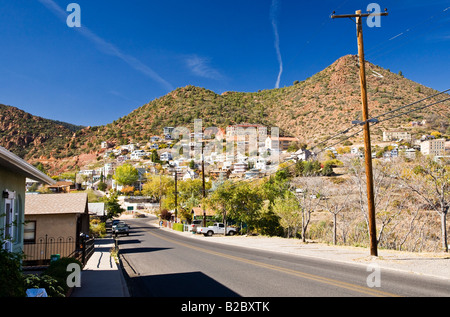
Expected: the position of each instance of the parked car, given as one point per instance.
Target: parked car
(194, 225)
(121, 228)
(115, 222)
(217, 228)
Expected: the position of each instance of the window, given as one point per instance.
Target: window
(29, 235)
(8, 229)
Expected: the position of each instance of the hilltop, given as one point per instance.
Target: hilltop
(310, 110)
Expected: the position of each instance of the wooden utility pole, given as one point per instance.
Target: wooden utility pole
(176, 197)
(365, 111)
(203, 188)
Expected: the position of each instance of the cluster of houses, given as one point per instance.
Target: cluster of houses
(401, 143)
(217, 161)
(242, 163)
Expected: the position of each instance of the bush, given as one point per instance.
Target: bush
(97, 228)
(51, 285)
(165, 214)
(178, 227)
(58, 271)
(11, 278)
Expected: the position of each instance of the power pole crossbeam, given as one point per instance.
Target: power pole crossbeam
(365, 112)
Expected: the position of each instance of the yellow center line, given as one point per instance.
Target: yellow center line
(317, 278)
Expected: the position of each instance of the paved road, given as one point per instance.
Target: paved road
(159, 263)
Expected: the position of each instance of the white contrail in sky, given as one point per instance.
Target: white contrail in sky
(109, 48)
(273, 18)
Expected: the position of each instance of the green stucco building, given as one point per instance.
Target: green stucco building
(13, 172)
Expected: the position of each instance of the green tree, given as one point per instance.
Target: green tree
(126, 174)
(327, 169)
(155, 157)
(113, 207)
(102, 186)
(191, 190)
(289, 212)
(275, 186)
(240, 202)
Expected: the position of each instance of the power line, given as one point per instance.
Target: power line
(343, 132)
(411, 104)
(416, 109)
(403, 34)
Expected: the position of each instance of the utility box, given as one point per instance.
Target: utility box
(54, 257)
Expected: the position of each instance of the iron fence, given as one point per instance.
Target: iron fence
(41, 251)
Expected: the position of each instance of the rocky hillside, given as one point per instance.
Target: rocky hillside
(311, 110)
(31, 136)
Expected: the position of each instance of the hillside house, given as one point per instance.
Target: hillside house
(216, 174)
(138, 154)
(107, 145)
(189, 174)
(433, 147)
(166, 156)
(62, 187)
(396, 135)
(253, 173)
(282, 144)
(240, 168)
(409, 153)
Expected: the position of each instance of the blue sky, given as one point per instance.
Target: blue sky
(127, 53)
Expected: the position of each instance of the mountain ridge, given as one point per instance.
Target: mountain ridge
(310, 110)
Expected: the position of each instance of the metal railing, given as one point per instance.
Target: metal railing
(41, 251)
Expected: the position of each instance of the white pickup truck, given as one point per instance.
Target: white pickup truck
(217, 228)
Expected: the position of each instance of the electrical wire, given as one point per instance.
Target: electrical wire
(416, 109)
(411, 104)
(357, 132)
(402, 35)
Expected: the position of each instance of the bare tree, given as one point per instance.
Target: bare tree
(386, 192)
(335, 201)
(309, 194)
(430, 180)
(410, 228)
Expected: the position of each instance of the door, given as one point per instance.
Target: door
(221, 228)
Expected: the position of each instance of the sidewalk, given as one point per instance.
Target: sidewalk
(102, 277)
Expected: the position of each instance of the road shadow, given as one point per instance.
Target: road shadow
(190, 284)
(141, 250)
